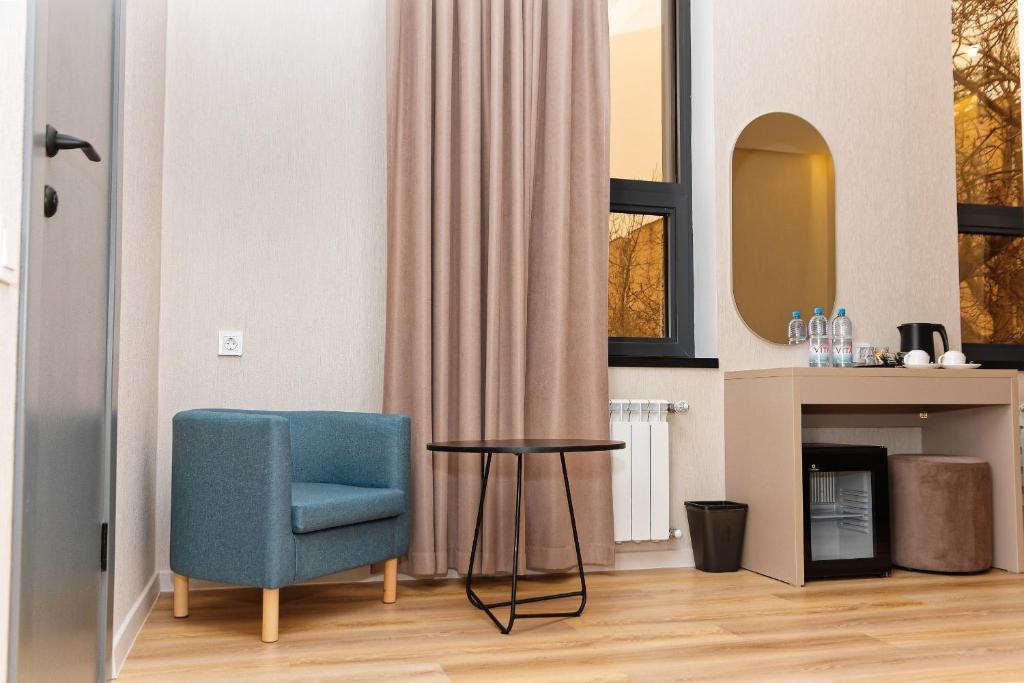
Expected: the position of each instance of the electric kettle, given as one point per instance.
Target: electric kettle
(921, 336)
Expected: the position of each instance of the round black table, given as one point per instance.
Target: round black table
(520, 447)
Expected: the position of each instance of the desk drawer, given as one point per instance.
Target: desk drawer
(888, 390)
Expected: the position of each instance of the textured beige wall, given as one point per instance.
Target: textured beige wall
(274, 212)
(142, 112)
(875, 78)
(12, 115)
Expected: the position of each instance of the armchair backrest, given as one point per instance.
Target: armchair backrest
(358, 449)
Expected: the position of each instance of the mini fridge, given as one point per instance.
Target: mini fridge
(846, 511)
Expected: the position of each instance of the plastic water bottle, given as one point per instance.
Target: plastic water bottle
(797, 329)
(842, 340)
(819, 355)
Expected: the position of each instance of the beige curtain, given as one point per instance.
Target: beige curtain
(498, 115)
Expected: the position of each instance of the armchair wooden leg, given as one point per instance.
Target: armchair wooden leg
(270, 611)
(180, 595)
(390, 580)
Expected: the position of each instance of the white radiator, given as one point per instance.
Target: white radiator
(640, 471)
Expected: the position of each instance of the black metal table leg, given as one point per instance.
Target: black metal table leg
(513, 602)
(485, 472)
(515, 544)
(575, 538)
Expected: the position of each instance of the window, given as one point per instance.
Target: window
(990, 182)
(650, 266)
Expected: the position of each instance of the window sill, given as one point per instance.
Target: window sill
(660, 362)
(1003, 365)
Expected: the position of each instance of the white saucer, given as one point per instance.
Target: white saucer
(962, 366)
(922, 366)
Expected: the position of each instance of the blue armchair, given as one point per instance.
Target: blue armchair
(269, 499)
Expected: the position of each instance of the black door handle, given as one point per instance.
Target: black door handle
(55, 142)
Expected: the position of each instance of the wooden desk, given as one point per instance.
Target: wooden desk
(960, 412)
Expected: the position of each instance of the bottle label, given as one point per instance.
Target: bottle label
(819, 353)
(842, 353)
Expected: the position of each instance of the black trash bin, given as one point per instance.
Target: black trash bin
(716, 532)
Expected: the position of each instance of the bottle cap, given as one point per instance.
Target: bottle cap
(842, 311)
(818, 310)
(796, 314)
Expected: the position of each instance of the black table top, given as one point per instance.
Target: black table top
(526, 446)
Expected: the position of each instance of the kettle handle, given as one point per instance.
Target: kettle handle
(941, 329)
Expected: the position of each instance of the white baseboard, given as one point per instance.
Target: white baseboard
(129, 629)
(653, 559)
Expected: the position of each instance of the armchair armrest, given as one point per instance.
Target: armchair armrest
(231, 498)
(358, 449)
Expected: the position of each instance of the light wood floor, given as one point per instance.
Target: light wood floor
(674, 624)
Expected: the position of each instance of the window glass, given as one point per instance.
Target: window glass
(992, 289)
(986, 102)
(641, 93)
(636, 275)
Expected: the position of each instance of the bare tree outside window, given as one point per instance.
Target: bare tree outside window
(987, 121)
(636, 275)
(992, 293)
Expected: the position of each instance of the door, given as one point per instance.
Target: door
(59, 592)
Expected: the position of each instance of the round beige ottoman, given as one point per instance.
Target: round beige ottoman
(941, 507)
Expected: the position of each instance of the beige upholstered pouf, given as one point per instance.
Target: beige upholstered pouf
(941, 508)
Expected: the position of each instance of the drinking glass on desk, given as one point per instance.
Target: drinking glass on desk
(865, 355)
(862, 354)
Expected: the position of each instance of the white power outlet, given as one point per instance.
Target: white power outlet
(230, 343)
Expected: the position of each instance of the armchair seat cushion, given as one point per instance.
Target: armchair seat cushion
(325, 506)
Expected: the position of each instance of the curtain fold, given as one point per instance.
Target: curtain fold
(498, 115)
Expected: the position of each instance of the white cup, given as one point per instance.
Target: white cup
(916, 357)
(952, 358)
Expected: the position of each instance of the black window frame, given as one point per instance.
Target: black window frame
(983, 219)
(673, 200)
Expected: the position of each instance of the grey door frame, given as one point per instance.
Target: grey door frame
(105, 644)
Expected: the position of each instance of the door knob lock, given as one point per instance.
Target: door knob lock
(56, 141)
(50, 201)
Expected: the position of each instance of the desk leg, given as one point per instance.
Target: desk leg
(764, 468)
(990, 433)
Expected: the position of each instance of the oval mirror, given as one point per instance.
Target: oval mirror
(783, 224)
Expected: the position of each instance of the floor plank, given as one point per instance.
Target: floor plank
(670, 624)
